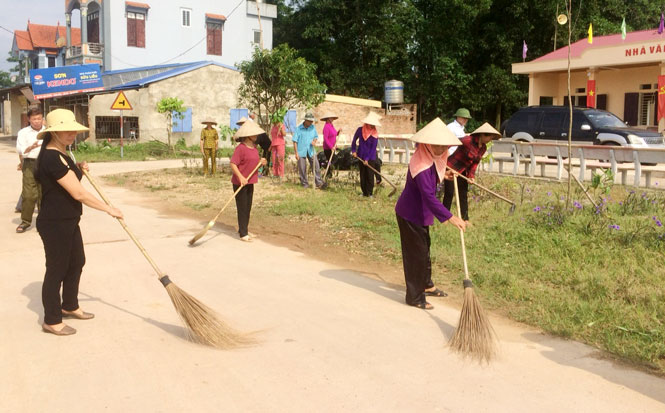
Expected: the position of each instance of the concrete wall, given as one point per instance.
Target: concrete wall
(210, 91)
(167, 41)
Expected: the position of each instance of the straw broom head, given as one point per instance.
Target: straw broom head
(204, 325)
(474, 337)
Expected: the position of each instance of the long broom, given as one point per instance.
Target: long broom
(512, 204)
(392, 192)
(474, 336)
(211, 223)
(203, 325)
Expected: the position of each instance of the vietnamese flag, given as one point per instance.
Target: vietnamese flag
(591, 93)
(661, 97)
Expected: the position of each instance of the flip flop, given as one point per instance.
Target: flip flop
(22, 228)
(423, 306)
(436, 293)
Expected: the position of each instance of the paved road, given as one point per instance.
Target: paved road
(331, 339)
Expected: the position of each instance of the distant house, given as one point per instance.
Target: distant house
(41, 46)
(127, 34)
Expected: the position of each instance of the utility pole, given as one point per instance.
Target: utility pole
(258, 13)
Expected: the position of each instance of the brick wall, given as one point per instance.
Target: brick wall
(400, 121)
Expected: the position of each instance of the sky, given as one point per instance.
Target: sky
(15, 15)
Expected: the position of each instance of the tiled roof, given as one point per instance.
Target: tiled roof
(143, 76)
(577, 48)
(216, 16)
(137, 5)
(40, 36)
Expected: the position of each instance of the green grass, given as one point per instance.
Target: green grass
(567, 271)
(106, 152)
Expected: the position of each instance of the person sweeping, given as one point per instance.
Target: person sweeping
(243, 163)
(367, 138)
(209, 142)
(418, 206)
(58, 221)
(329, 139)
(465, 160)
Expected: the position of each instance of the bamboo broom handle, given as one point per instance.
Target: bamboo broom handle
(480, 186)
(461, 232)
(160, 274)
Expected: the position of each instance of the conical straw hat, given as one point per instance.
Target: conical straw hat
(489, 130)
(241, 121)
(61, 120)
(329, 115)
(436, 133)
(372, 119)
(212, 122)
(249, 129)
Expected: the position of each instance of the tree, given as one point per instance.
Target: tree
(276, 79)
(170, 107)
(6, 76)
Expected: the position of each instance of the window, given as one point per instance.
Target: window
(546, 100)
(214, 38)
(186, 17)
(182, 123)
(108, 127)
(135, 29)
(257, 36)
(647, 109)
(51, 61)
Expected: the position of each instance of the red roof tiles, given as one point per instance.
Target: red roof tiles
(137, 5)
(40, 36)
(216, 16)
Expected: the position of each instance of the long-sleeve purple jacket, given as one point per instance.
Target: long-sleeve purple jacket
(418, 203)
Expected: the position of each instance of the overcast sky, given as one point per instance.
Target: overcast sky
(14, 15)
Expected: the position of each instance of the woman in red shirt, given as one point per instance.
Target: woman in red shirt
(244, 160)
(277, 148)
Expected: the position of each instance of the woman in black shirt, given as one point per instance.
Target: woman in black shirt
(58, 221)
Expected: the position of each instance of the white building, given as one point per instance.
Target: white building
(120, 34)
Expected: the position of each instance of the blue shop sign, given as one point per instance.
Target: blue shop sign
(65, 80)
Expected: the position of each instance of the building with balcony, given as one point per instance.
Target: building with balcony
(120, 34)
(40, 46)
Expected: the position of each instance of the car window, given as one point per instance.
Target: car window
(602, 119)
(552, 120)
(578, 120)
(525, 120)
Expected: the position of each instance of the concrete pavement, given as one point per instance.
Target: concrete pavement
(330, 338)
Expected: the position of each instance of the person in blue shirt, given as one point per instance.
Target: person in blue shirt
(304, 139)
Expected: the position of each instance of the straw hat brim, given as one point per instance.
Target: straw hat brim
(372, 119)
(241, 121)
(436, 133)
(249, 129)
(64, 127)
(329, 116)
(212, 122)
(488, 129)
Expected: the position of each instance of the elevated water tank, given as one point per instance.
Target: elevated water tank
(394, 92)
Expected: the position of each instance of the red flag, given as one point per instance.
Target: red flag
(591, 93)
(661, 97)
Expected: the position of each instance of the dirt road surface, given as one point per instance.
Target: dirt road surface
(330, 339)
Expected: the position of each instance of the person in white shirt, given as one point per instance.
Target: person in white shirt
(462, 116)
(28, 148)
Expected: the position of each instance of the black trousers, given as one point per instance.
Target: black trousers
(376, 165)
(449, 194)
(366, 179)
(63, 247)
(244, 207)
(415, 259)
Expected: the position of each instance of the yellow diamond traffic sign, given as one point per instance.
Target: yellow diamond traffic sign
(121, 102)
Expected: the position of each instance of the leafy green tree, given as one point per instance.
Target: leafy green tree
(6, 76)
(278, 78)
(170, 107)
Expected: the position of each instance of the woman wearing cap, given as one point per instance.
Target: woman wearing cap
(209, 141)
(244, 160)
(418, 206)
(365, 151)
(278, 149)
(465, 160)
(58, 221)
(329, 137)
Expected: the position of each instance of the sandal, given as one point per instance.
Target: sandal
(22, 228)
(423, 306)
(436, 293)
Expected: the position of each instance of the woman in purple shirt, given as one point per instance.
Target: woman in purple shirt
(417, 207)
(365, 151)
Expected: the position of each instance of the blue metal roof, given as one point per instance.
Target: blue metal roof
(143, 76)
